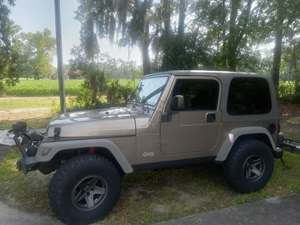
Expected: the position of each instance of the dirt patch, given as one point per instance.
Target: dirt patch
(27, 113)
(3, 151)
(159, 208)
(32, 98)
(289, 110)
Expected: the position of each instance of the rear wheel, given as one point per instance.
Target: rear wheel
(84, 189)
(249, 166)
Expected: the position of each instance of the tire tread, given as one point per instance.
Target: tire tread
(231, 166)
(55, 191)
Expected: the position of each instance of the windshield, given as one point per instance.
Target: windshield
(149, 90)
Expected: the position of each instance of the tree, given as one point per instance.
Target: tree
(166, 13)
(123, 21)
(39, 48)
(185, 52)
(8, 54)
(86, 58)
(139, 30)
(226, 33)
(181, 16)
(284, 14)
(145, 23)
(176, 49)
(237, 30)
(227, 26)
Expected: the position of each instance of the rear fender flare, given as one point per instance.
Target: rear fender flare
(233, 136)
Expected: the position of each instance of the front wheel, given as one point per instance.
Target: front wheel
(249, 166)
(84, 189)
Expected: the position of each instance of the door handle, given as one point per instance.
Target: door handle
(210, 117)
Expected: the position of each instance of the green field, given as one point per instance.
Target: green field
(29, 88)
(42, 88)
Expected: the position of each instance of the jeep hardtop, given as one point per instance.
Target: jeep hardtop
(174, 118)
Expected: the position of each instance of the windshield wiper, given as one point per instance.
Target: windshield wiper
(134, 104)
(153, 93)
(148, 106)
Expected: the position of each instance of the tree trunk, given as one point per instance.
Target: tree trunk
(237, 30)
(181, 20)
(288, 73)
(167, 17)
(295, 70)
(232, 62)
(222, 25)
(146, 58)
(231, 49)
(145, 39)
(278, 45)
(297, 82)
(277, 57)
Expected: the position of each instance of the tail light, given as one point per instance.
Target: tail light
(272, 128)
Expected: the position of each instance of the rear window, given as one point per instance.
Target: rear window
(249, 96)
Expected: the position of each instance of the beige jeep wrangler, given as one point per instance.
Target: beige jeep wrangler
(175, 118)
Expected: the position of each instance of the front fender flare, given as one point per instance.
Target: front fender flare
(48, 150)
(234, 134)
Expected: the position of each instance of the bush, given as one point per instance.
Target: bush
(115, 94)
(97, 91)
(118, 94)
(286, 89)
(184, 52)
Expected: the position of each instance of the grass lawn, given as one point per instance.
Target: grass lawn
(153, 196)
(149, 197)
(7, 103)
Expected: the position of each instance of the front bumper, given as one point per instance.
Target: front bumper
(27, 164)
(27, 141)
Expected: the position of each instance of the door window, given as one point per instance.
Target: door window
(199, 94)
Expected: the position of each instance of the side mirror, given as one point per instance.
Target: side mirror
(178, 102)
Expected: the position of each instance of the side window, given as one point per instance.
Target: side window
(249, 96)
(199, 94)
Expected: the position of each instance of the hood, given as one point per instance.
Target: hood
(108, 122)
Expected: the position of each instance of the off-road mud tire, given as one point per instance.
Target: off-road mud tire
(234, 166)
(68, 175)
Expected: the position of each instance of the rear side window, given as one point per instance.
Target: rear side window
(249, 96)
(199, 94)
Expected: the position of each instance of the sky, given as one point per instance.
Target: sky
(36, 15)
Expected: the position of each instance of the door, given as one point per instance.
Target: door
(194, 128)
